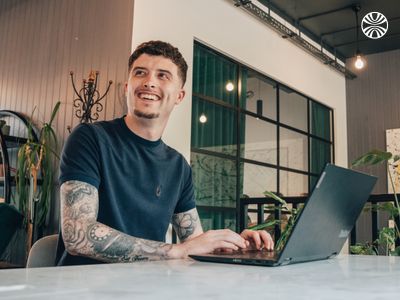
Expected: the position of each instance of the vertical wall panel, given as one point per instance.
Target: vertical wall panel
(373, 100)
(43, 40)
(373, 105)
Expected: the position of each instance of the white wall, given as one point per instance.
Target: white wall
(231, 30)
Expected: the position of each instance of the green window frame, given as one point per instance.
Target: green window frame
(236, 111)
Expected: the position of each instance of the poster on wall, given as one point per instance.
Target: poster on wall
(393, 146)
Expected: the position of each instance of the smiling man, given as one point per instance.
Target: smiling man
(121, 186)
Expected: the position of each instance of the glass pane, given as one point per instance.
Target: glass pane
(214, 76)
(2, 191)
(217, 219)
(214, 180)
(260, 95)
(257, 179)
(213, 127)
(259, 141)
(320, 120)
(293, 184)
(313, 181)
(293, 150)
(320, 154)
(292, 108)
(2, 177)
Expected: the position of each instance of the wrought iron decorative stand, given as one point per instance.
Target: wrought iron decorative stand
(88, 98)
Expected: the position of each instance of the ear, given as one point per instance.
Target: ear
(181, 95)
(126, 89)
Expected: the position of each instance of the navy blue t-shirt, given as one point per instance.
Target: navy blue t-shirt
(141, 183)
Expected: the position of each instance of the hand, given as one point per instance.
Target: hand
(258, 239)
(210, 241)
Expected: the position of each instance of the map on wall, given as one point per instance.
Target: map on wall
(393, 146)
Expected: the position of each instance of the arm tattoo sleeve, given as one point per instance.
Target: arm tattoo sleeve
(186, 224)
(84, 236)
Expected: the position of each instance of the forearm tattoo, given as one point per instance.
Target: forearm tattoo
(83, 235)
(185, 223)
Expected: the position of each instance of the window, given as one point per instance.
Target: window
(251, 134)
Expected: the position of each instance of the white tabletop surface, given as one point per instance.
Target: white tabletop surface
(344, 277)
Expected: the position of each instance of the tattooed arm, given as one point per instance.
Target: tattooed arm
(84, 236)
(187, 225)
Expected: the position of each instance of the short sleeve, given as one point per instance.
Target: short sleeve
(186, 201)
(80, 158)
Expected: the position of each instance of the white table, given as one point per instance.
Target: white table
(345, 277)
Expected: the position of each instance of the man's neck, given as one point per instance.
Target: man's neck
(144, 128)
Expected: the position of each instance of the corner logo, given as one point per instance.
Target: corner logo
(374, 25)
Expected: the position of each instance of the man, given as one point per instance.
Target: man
(121, 185)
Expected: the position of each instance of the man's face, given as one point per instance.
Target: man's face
(153, 87)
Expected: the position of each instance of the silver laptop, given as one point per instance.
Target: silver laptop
(322, 227)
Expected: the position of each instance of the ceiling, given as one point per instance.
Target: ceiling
(337, 29)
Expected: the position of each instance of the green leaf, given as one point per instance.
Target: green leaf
(396, 251)
(362, 249)
(275, 197)
(54, 113)
(396, 158)
(356, 249)
(372, 158)
(387, 236)
(264, 225)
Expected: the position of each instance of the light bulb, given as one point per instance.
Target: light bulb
(229, 86)
(359, 63)
(203, 118)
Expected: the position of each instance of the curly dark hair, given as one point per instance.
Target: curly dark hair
(160, 48)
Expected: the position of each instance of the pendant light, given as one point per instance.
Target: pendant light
(359, 62)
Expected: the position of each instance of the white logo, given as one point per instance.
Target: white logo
(374, 25)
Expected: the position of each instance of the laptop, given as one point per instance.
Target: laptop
(322, 227)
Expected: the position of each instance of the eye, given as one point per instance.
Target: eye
(138, 72)
(163, 75)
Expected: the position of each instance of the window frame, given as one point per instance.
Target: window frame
(242, 113)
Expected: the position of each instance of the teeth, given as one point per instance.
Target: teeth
(148, 97)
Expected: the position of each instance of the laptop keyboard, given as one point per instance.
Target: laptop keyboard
(249, 254)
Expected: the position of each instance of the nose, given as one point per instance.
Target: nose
(149, 82)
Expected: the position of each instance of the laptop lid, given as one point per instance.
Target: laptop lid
(324, 223)
(328, 216)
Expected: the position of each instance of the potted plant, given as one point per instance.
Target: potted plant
(35, 174)
(387, 236)
(268, 225)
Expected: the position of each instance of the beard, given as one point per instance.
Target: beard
(144, 115)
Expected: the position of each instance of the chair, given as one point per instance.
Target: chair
(43, 252)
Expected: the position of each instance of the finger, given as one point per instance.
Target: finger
(226, 250)
(267, 240)
(226, 245)
(245, 233)
(232, 237)
(255, 238)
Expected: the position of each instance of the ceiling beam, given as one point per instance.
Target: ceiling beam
(352, 28)
(368, 40)
(338, 31)
(327, 12)
(303, 29)
(284, 31)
